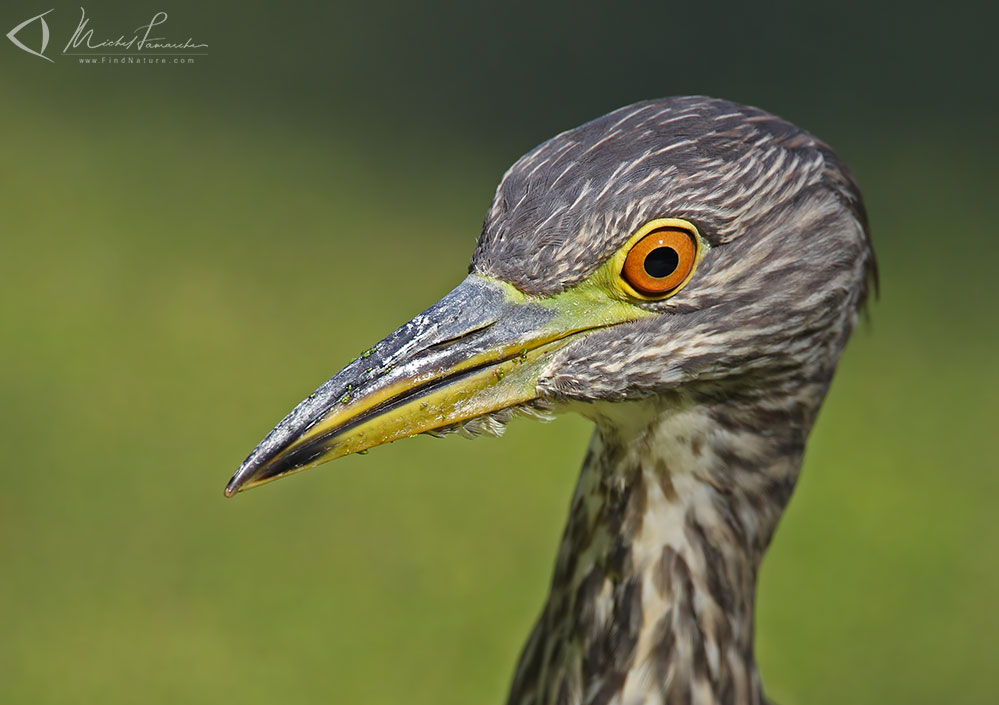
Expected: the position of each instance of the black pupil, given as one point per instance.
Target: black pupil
(661, 262)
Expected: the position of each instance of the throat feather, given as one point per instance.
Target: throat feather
(653, 592)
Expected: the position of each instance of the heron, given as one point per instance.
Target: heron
(685, 272)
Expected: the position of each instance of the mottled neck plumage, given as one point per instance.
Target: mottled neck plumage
(653, 593)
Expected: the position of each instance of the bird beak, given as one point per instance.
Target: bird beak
(480, 349)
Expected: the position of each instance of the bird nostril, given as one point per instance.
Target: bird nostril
(448, 342)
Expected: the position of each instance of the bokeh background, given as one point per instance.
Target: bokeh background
(171, 235)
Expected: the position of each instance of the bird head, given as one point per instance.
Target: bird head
(669, 246)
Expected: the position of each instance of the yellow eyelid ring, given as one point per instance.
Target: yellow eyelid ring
(645, 288)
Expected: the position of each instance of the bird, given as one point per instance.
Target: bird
(685, 272)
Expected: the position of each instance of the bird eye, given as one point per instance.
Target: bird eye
(661, 261)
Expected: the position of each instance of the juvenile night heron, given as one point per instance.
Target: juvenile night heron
(684, 272)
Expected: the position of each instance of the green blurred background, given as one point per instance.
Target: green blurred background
(171, 235)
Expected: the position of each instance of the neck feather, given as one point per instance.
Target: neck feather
(653, 594)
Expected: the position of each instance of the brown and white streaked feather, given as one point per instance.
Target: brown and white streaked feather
(703, 411)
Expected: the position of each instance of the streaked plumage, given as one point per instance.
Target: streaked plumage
(702, 401)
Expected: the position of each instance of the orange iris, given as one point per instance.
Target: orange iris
(660, 261)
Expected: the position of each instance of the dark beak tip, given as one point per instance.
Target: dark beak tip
(236, 482)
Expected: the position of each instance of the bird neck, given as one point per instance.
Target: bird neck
(653, 594)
